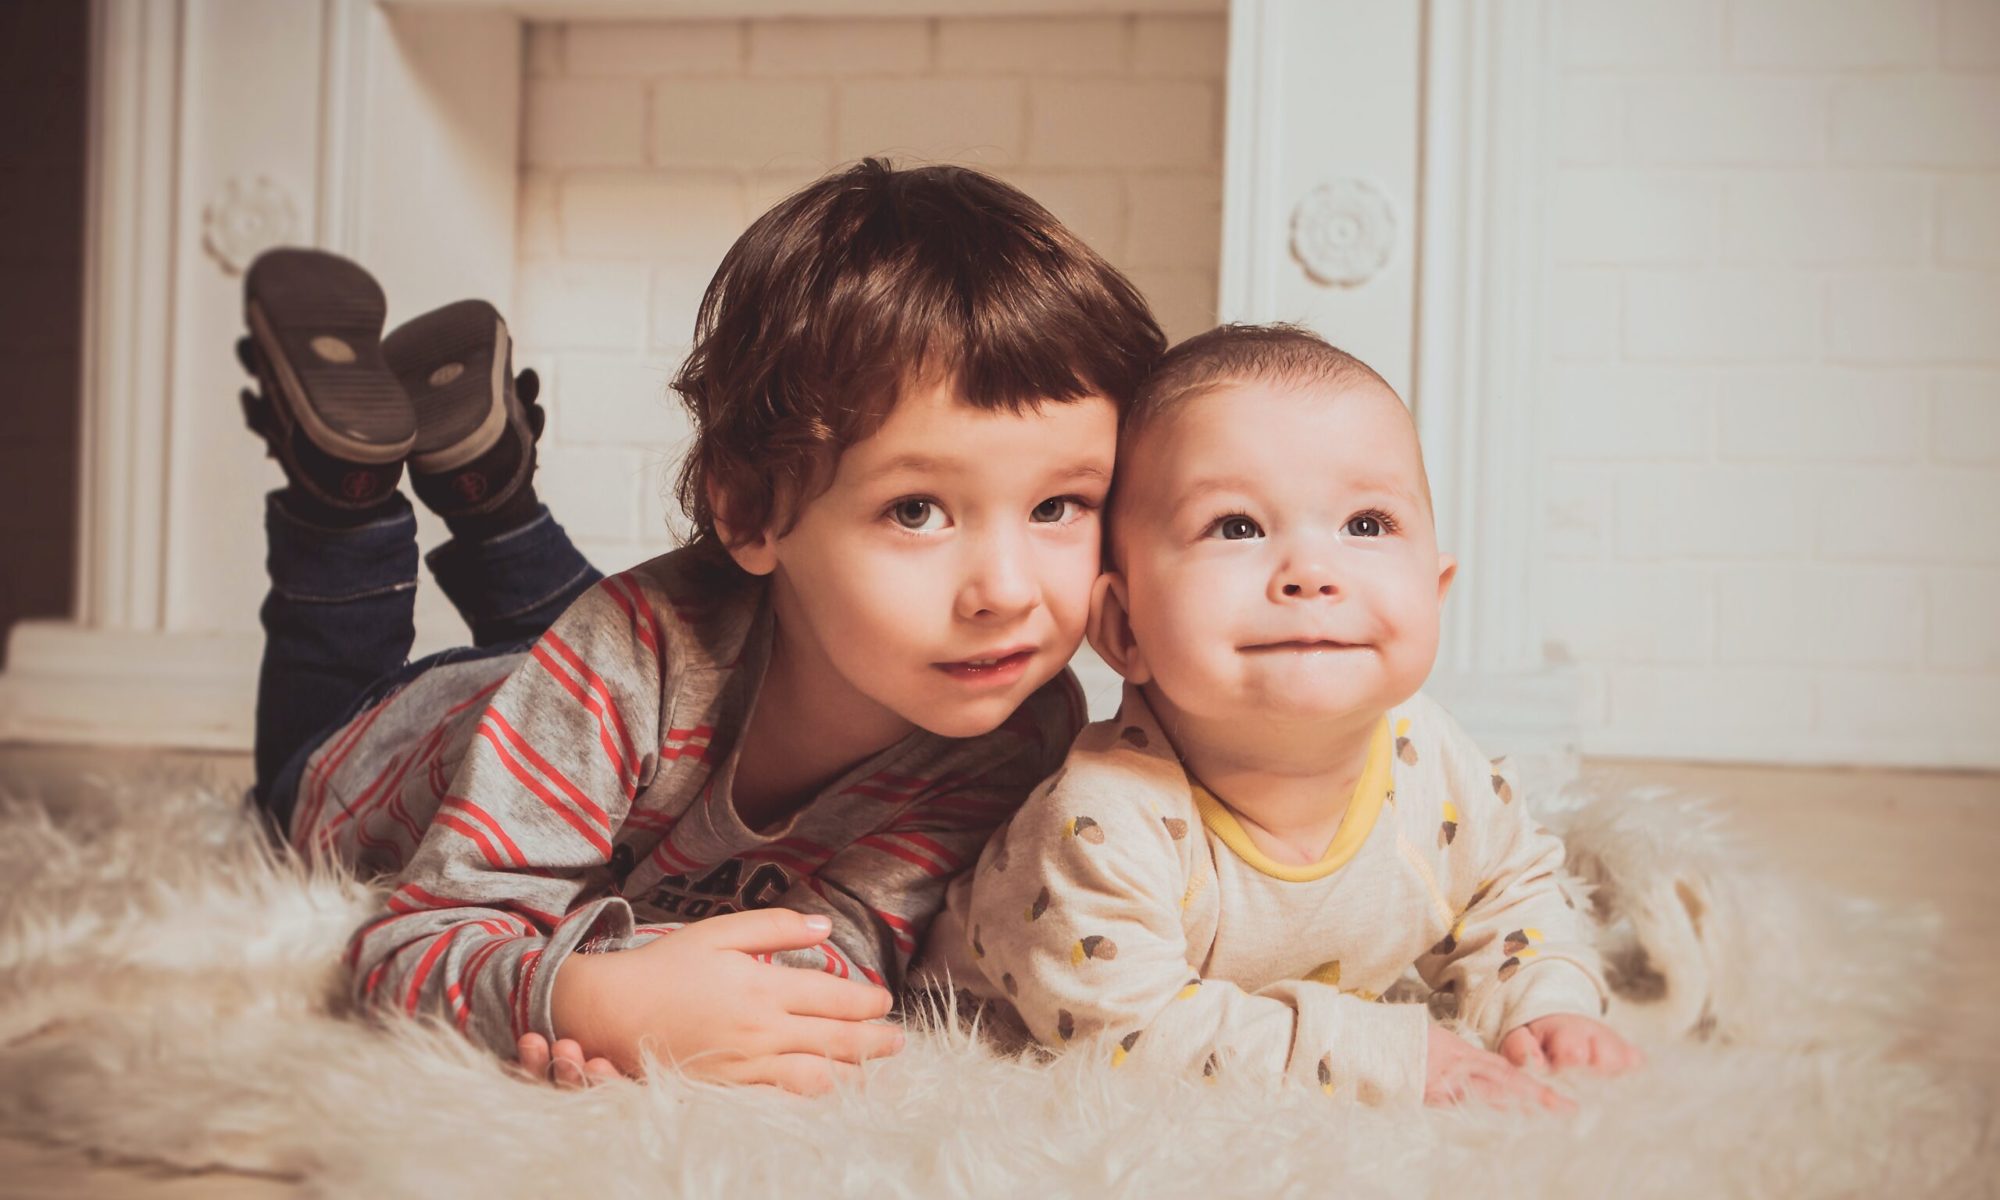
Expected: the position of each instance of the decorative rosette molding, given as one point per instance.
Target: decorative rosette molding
(247, 218)
(1343, 231)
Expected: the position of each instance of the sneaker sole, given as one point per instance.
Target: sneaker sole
(453, 362)
(317, 322)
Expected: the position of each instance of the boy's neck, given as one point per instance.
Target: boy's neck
(1289, 783)
(807, 728)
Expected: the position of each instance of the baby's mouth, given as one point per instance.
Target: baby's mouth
(1300, 646)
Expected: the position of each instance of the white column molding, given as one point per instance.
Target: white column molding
(1479, 359)
(354, 117)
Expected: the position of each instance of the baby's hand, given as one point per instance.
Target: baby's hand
(1563, 1040)
(566, 1067)
(1455, 1069)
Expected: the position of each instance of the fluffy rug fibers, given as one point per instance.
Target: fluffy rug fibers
(171, 993)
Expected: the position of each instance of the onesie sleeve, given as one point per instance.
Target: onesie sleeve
(1518, 949)
(499, 891)
(1075, 916)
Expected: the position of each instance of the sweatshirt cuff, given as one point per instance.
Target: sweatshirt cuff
(608, 919)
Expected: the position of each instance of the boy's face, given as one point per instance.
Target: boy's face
(1277, 557)
(945, 573)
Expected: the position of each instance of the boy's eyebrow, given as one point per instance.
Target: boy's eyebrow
(930, 464)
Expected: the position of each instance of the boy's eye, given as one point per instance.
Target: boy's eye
(1056, 509)
(916, 514)
(1234, 529)
(1369, 525)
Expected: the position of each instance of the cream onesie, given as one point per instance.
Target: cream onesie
(1124, 908)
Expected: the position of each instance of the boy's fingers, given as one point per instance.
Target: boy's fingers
(532, 1057)
(843, 1041)
(817, 994)
(761, 930)
(601, 1070)
(806, 1074)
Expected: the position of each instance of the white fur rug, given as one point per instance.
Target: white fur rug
(169, 994)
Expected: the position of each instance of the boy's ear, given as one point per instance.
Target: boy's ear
(757, 553)
(1447, 571)
(1110, 629)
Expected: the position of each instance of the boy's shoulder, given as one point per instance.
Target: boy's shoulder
(704, 614)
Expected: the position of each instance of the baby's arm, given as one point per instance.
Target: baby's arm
(1075, 916)
(1518, 960)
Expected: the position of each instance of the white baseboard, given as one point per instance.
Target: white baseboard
(70, 685)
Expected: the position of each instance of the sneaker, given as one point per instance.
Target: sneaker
(474, 450)
(328, 406)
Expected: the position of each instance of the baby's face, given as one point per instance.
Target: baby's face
(1278, 556)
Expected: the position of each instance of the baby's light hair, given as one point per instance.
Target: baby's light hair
(1277, 354)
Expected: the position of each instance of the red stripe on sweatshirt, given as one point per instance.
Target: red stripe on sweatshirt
(627, 759)
(886, 846)
(491, 729)
(492, 826)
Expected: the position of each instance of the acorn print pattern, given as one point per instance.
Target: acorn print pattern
(1521, 939)
(1176, 828)
(1449, 829)
(1007, 981)
(1133, 736)
(1188, 989)
(1065, 1024)
(1326, 1074)
(1096, 946)
(1327, 973)
(1404, 749)
(1040, 906)
(1449, 942)
(978, 949)
(1085, 829)
(1443, 1002)
(1211, 1067)
(1125, 1045)
(1501, 787)
(1479, 893)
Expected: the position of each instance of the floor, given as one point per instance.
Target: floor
(1928, 837)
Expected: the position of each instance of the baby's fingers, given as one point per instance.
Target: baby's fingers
(1523, 1049)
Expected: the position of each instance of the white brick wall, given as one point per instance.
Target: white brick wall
(647, 147)
(1773, 415)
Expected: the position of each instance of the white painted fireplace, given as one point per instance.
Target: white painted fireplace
(1378, 164)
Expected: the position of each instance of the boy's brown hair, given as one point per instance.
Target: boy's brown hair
(872, 280)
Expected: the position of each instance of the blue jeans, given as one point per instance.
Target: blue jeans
(340, 618)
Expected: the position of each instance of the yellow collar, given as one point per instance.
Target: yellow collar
(1355, 824)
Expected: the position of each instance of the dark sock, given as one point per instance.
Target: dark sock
(515, 511)
(313, 511)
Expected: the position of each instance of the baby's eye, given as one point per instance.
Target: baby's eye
(917, 514)
(1234, 528)
(1370, 524)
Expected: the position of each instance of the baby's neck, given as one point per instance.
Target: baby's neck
(1289, 784)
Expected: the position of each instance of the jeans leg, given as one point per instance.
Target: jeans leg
(511, 588)
(340, 615)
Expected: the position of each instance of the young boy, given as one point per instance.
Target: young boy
(781, 740)
(1276, 826)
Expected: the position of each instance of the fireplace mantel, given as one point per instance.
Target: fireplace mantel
(217, 126)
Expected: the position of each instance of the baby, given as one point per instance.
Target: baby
(1276, 826)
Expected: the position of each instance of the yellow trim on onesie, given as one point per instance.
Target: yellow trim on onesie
(1370, 791)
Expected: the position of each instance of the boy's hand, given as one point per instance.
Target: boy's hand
(1563, 1040)
(697, 998)
(565, 1067)
(1455, 1069)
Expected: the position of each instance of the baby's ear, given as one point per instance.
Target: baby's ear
(1110, 629)
(756, 553)
(1447, 571)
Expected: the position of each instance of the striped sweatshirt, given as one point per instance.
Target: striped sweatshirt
(576, 798)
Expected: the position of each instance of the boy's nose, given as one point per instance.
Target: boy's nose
(997, 584)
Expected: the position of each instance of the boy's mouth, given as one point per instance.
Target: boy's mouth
(1002, 665)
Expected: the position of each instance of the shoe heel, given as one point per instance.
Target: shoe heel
(453, 362)
(317, 321)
